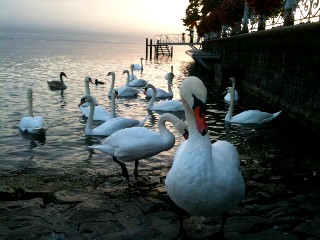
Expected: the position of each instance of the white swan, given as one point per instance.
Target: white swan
(160, 92)
(205, 179)
(124, 91)
(112, 125)
(31, 124)
(227, 97)
(133, 144)
(83, 107)
(58, 85)
(137, 66)
(249, 116)
(134, 82)
(168, 105)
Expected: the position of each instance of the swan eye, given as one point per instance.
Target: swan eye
(199, 103)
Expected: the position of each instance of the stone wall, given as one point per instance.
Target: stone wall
(280, 66)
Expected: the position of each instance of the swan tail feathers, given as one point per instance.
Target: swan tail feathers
(277, 113)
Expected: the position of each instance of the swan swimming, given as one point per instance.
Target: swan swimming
(124, 91)
(112, 125)
(137, 66)
(32, 124)
(133, 81)
(133, 144)
(160, 92)
(83, 108)
(227, 97)
(168, 105)
(249, 116)
(205, 179)
(58, 85)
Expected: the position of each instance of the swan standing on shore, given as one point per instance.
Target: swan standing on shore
(160, 92)
(31, 124)
(205, 179)
(227, 97)
(58, 85)
(137, 66)
(112, 125)
(168, 105)
(249, 116)
(124, 91)
(133, 144)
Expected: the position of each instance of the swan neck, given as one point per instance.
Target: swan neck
(128, 78)
(231, 105)
(30, 103)
(112, 85)
(113, 105)
(87, 89)
(153, 98)
(169, 85)
(90, 117)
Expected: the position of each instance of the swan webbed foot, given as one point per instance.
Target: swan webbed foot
(135, 171)
(124, 169)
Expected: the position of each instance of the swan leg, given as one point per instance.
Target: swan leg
(135, 172)
(224, 217)
(123, 168)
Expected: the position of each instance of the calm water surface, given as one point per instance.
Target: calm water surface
(283, 146)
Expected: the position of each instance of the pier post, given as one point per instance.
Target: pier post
(171, 51)
(146, 48)
(150, 49)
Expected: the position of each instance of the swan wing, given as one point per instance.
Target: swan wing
(126, 91)
(170, 105)
(33, 124)
(253, 116)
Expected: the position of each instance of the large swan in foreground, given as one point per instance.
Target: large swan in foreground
(249, 116)
(56, 84)
(167, 106)
(205, 179)
(133, 144)
(124, 91)
(227, 97)
(110, 126)
(138, 67)
(31, 124)
(160, 92)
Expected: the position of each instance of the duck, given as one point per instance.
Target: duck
(32, 124)
(133, 81)
(97, 82)
(137, 66)
(124, 91)
(168, 105)
(160, 92)
(205, 178)
(58, 85)
(227, 97)
(136, 143)
(249, 116)
(113, 124)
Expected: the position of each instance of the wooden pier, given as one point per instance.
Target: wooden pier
(163, 45)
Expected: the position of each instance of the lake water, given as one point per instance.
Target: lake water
(283, 148)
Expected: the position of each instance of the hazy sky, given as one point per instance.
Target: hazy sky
(131, 17)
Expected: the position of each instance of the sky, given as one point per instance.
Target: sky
(102, 17)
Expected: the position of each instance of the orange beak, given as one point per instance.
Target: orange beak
(200, 120)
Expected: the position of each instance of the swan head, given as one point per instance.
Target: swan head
(182, 128)
(232, 80)
(125, 71)
(194, 96)
(111, 74)
(116, 93)
(149, 85)
(169, 76)
(62, 74)
(85, 99)
(88, 79)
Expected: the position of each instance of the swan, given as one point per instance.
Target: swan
(124, 91)
(134, 82)
(160, 92)
(31, 124)
(83, 107)
(133, 144)
(249, 116)
(113, 124)
(168, 106)
(137, 66)
(97, 82)
(227, 97)
(58, 85)
(205, 179)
